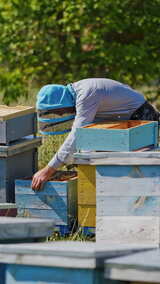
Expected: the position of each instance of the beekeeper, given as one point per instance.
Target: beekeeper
(84, 102)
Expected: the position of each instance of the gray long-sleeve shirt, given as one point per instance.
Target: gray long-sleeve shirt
(97, 98)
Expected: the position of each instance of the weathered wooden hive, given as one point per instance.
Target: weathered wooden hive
(56, 200)
(124, 186)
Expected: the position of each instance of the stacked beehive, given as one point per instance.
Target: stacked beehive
(120, 177)
(18, 151)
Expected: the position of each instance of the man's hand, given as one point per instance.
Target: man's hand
(41, 176)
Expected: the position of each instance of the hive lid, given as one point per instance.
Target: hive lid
(12, 228)
(148, 157)
(7, 112)
(73, 254)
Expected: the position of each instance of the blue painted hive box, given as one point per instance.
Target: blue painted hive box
(56, 200)
(16, 122)
(117, 136)
(18, 160)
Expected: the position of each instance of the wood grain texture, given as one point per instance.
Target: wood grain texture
(87, 215)
(117, 158)
(144, 266)
(23, 228)
(69, 254)
(18, 127)
(132, 229)
(20, 146)
(128, 206)
(128, 180)
(86, 185)
(7, 112)
(117, 139)
(56, 200)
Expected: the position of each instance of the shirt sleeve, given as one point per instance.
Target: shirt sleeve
(85, 113)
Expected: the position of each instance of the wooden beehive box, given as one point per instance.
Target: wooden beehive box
(117, 136)
(16, 122)
(117, 184)
(56, 200)
(18, 160)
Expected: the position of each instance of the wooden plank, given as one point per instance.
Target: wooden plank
(49, 202)
(140, 267)
(123, 161)
(72, 202)
(102, 157)
(22, 145)
(7, 112)
(138, 136)
(128, 180)
(69, 254)
(23, 228)
(59, 217)
(87, 215)
(86, 185)
(132, 229)
(128, 206)
(85, 140)
(44, 201)
(23, 186)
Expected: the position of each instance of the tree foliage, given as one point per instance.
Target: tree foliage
(43, 41)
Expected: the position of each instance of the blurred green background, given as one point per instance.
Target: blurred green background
(44, 41)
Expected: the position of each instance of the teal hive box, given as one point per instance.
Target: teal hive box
(57, 200)
(117, 136)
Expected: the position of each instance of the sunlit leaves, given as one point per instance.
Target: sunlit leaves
(44, 41)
